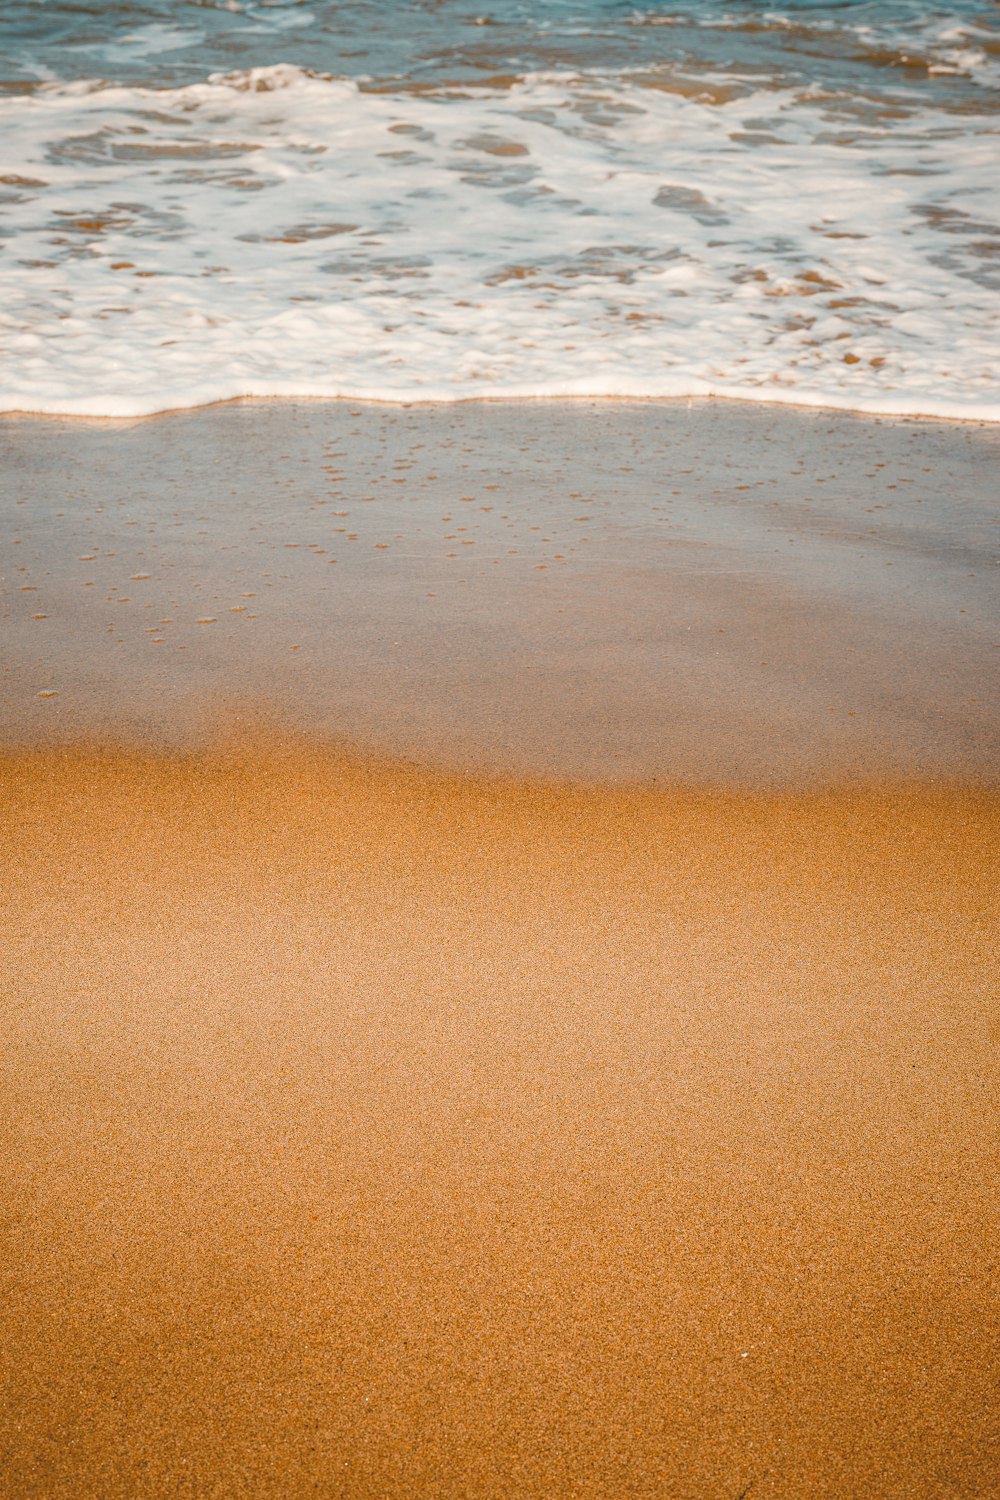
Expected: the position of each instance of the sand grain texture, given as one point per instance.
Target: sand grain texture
(376, 1132)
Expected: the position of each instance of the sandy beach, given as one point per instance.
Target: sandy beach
(432, 1066)
(372, 1132)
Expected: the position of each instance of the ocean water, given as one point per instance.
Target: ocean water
(202, 199)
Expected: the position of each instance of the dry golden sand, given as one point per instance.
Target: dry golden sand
(371, 1132)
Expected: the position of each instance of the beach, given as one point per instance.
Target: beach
(715, 592)
(484, 1022)
(499, 749)
(372, 1131)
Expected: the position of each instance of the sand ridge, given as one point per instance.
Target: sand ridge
(374, 1131)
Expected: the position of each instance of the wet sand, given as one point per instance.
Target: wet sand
(558, 1060)
(627, 590)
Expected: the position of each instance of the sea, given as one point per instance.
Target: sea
(452, 199)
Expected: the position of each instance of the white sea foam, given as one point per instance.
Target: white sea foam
(274, 232)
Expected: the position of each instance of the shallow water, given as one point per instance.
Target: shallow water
(859, 44)
(209, 200)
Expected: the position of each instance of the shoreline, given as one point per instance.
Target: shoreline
(818, 405)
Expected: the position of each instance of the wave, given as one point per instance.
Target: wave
(277, 232)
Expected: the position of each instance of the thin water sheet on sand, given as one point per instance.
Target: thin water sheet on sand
(696, 591)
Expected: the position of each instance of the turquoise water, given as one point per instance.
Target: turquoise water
(889, 47)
